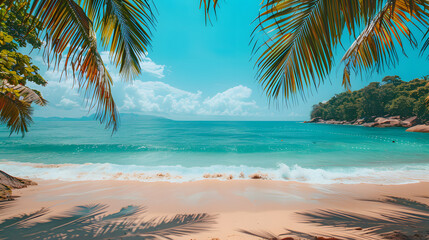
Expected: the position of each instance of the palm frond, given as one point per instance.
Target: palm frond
(376, 46)
(24, 93)
(426, 42)
(125, 26)
(208, 6)
(68, 29)
(15, 113)
(299, 50)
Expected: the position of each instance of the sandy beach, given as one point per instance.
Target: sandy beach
(344, 211)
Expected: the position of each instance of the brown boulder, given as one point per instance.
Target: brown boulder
(5, 192)
(371, 124)
(381, 120)
(388, 122)
(8, 182)
(409, 122)
(419, 128)
(359, 122)
(14, 182)
(392, 123)
(314, 120)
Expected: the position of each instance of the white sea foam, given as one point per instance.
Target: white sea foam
(107, 171)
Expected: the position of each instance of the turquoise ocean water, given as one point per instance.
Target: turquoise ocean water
(155, 149)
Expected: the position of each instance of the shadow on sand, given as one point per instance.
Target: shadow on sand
(93, 222)
(408, 219)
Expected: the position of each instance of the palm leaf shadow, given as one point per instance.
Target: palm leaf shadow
(410, 220)
(5, 204)
(92, 222)
(292, 235)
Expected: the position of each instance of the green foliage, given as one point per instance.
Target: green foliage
(17, 30)
(15, 23)
(402, 106)
(390, 97)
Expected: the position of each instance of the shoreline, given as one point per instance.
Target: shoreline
(392, 175)
(411, 124)
(249, 205)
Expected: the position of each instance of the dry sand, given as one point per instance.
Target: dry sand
(252, 205)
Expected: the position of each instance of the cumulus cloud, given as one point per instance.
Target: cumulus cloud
(151, 97)
(232, 102)
(66, 103)
(151, 67)
(159, 97)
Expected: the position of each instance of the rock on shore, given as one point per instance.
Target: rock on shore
(381, 122)
(419, 128)
(8, 182)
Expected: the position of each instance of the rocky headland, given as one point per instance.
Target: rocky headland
(413, 124)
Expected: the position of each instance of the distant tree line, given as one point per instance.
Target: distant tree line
(391, 96)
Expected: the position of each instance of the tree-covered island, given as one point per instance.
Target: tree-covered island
(389, 103)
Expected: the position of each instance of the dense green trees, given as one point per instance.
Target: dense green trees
(15, 23)
(391, 96)
(17, 31)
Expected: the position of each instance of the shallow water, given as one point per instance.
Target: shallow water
(144, 147)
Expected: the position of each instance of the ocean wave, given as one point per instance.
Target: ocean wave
(178, 173)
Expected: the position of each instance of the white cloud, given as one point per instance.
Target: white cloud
(159, 97)
(151, 97)
(151, 67)
(66, 103)
(232, 102)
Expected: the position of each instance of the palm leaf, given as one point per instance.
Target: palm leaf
(24, 93)
(375, 47)
(125, 27)
(302, 36)
(69, 30)
(15, 113)
(208, 6)
(301, 39)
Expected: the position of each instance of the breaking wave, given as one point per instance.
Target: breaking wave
(178, 173)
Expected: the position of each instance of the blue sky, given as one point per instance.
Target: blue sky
(196, 71)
